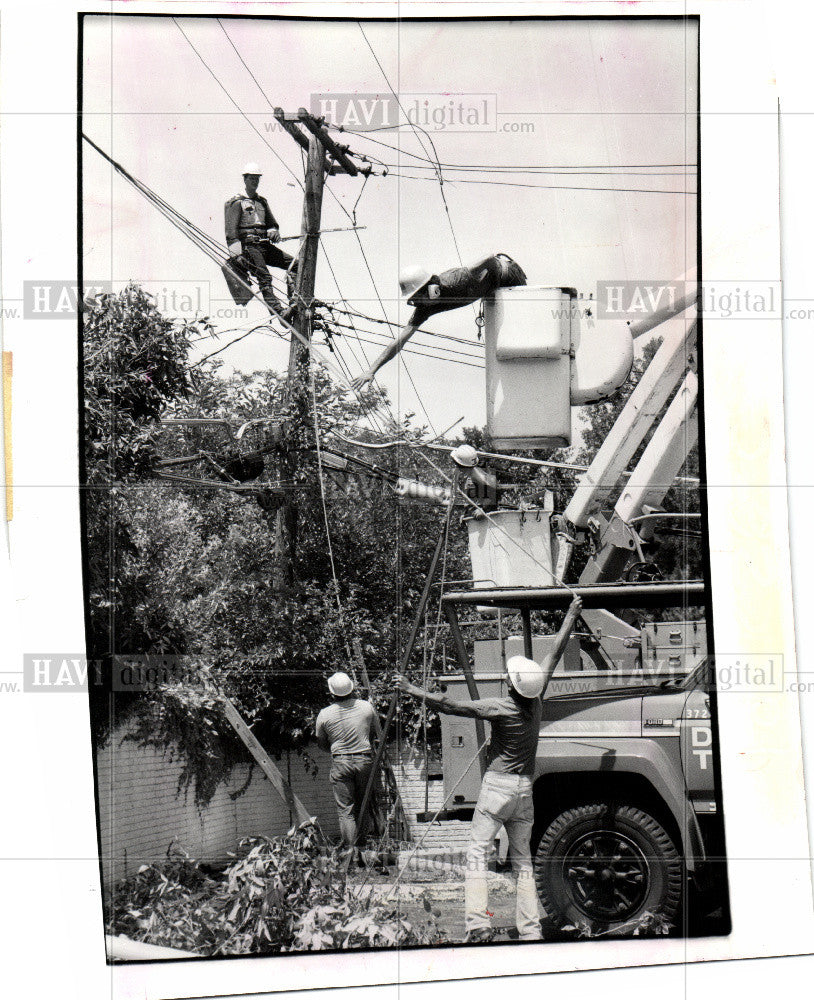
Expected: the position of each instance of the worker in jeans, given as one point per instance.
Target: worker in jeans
(251, 232)
(343, 728)
(434, 293)
(505, 797)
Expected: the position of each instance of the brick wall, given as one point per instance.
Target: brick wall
(141, 810)
(410, 777)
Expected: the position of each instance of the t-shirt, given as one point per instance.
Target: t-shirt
(346, 725)
(513, 742)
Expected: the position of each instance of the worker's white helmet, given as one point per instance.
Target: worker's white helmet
(252, 168)
(525, 676)
(340, 685)
(465, 455)
(412, 279)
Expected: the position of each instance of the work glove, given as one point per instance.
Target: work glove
(274, 235)
(235, 249)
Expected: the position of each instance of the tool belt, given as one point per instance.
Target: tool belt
(254, 236)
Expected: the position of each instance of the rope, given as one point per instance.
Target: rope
(427, 666)
(328, 533)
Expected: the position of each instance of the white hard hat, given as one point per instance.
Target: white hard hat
(252, 168)
(412, 279)
(340, 684)
(464, 455)
(526, 676)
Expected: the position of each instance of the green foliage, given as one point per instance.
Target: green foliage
(185, 721)
(285, 894)
(135, 365)
(646, 924)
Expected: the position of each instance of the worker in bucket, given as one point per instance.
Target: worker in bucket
(251, 232)
(505, 797)
(343, 729)
(434, 293)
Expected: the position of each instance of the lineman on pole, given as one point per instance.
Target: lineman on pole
(506, 792)
(251, 232)
(433, 293)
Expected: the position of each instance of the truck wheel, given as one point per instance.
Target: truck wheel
(606, 866)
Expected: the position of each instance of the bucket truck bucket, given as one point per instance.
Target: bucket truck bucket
(511, 548)
(529, 333)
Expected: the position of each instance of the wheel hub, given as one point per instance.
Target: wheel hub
(607, 875)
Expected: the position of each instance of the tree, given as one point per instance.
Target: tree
(186, 570)
(134, 366)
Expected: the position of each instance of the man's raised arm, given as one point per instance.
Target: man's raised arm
(564, 634)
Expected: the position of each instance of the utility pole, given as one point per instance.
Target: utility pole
(320, 146)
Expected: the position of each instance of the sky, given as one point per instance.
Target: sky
(580, 93)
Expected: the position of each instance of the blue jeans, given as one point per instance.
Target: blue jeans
(504, 800)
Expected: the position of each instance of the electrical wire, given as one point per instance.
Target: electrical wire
(344, 377)
(234, 102)
(454, 488)
(220, 350)
(513, 459)
(434, 347)
(520, 167)
(546, 187)
(391, 323)
(545, 171)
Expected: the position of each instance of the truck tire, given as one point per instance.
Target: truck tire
(606, 866)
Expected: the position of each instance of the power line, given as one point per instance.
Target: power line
(235, 340)
(412, 124)
(391, 323)
(436, 161)
(443, 198)
(472, 355)
(240, 57)
(223, 88)
(546, 172)
(413, 350)
(344, 370)
(549, 187)
(522, 167)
